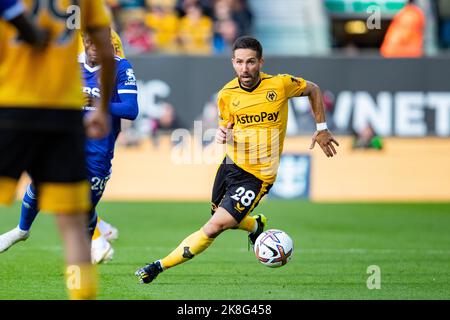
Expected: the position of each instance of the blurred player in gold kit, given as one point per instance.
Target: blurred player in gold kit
(41, 123)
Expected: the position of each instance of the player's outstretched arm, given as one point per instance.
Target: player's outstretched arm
(322, 136)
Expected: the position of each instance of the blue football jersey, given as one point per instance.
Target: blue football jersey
(100, 152)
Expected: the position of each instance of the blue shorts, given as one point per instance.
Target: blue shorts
(98, 177)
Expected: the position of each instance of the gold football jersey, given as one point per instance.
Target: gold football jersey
(259, 119)
(50, 78)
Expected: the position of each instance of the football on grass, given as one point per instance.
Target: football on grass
(274, 248)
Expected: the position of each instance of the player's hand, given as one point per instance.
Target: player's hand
(97, 124)
(325, 141)
(223, 134)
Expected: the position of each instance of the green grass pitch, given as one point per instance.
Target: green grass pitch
(334, 245)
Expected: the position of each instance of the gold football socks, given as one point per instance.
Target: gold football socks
(249, 224)
(193, 245)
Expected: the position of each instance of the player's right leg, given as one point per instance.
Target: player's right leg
(59, 174)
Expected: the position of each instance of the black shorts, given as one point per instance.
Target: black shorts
(237, 190)
(49, 144)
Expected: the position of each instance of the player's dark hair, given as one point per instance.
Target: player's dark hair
(247, 42)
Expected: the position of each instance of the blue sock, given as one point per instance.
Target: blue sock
(29, 209)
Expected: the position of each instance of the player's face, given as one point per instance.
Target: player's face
(91, 51)
(247, 67)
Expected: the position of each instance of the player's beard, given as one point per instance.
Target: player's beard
(250, 80)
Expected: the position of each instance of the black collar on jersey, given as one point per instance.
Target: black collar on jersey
(252, 89)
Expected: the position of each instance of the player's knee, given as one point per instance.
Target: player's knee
(214, 228)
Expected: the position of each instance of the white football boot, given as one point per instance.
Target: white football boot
(8, 239)
(101, 250)
(108, 231)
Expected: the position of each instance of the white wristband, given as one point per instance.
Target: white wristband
(321, 126)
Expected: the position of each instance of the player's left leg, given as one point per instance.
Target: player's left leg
(191, 246)
(241, 194)
(101, 249)
(107, 230)
(29, 209)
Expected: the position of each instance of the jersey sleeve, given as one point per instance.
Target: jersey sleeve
(9, 9)
(224, 111)
(94, 14)
(126, 80)
(126, 87)
(293, 86)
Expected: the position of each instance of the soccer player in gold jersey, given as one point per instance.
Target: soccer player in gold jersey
(41, 124)
(253, 111)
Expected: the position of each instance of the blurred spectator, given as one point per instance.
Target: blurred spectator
(367, 139)
(163, 20)
(131, 4)
(206, 5)
(180, 26)
(232, 19)
(195, 31)
(242, 15)
(115, 9)
(137, 38)
(128, 10)
(226, 31)
(405, 35)
(225, 28)
(443, 7)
